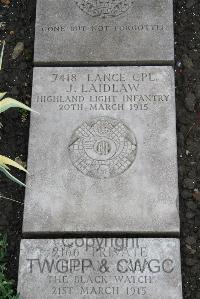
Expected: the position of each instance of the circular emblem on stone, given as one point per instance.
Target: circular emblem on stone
(104, 8)
(102, 147)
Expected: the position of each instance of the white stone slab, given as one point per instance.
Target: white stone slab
(100, 268)
(102, 152)
(104, 31)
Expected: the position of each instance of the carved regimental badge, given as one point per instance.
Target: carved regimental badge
(104, 8)
(103, 148)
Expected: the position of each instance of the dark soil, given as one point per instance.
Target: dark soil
(16, 78)
(187, 38)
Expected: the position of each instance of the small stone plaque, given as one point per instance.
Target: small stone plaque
(102, 152)
(100, 269)
(105, 31)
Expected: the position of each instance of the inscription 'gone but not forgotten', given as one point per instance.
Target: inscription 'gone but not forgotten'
(102, 153)
(100, 268)
(93, 31)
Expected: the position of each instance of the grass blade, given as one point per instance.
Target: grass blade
(1, 56)
(5, 166)
(6, 161)
(2, 94)
(11, 177)
(7, 103)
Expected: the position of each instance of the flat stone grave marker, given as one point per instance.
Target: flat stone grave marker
(106, 31)
(100, 268)
(102, 152)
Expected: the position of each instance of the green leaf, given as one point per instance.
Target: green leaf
(7, 103)
(6, 285)
(2, 94)
(4, 161)
(5, 166)
(1, 55)
(11, 177)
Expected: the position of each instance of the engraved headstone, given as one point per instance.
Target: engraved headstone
(100, 268)
(106, 31)
(102, 152)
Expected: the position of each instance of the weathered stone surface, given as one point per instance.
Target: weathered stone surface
(100, 268)
(102, 152)
(80, 31)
